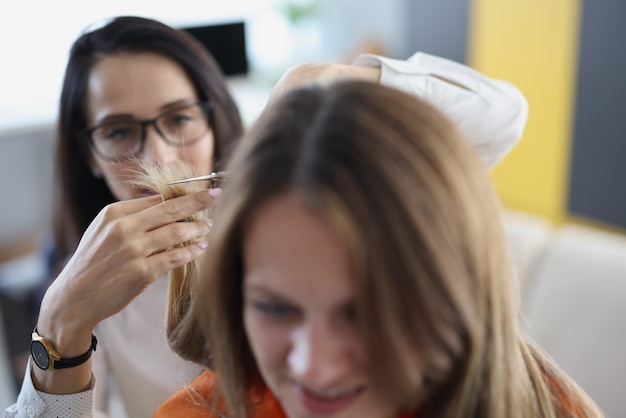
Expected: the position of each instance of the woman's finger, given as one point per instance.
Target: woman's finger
(132, 206)
(172, 210)
(175, 257)
(172, 234)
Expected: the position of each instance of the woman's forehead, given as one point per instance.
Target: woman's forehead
(294, 252)
(135, 84)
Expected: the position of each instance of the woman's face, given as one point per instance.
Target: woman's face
(299, 314)
(129, 87)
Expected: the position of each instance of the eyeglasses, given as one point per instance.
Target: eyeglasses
(122, 140)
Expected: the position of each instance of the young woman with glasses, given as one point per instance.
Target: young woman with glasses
(134, 89)
(137, 90)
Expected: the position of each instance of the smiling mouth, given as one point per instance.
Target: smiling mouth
(326, 402)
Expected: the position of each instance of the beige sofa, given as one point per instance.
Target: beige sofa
(573, 282)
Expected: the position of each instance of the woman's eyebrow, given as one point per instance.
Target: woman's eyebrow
(114, 117)
(177, 103)
(263, 289)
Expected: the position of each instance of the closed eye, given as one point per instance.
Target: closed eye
(274, 309)
(349, 313)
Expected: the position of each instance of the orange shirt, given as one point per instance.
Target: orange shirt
(185, 403)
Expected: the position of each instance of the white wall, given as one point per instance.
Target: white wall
(35, 38)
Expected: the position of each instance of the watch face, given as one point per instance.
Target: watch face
(40, 355)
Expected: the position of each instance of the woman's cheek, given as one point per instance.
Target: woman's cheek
(200, 155)
(270, 342)
(117, 176)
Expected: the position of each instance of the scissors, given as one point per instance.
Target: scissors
(217, 176)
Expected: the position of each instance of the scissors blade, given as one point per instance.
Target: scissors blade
(212, 176)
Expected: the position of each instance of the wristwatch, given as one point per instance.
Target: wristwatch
(47, 358)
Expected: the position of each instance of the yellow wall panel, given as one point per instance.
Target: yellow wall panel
(533, 44)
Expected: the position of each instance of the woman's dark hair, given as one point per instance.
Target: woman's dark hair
(79, 195)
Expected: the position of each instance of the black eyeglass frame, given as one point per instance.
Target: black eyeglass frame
(204, 105)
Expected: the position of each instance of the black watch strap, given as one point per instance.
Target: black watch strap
(54, 360)
(65, 363)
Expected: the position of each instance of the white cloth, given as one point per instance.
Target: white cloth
(133, 348)
(32, 403)
(490, 113)
(131, 345)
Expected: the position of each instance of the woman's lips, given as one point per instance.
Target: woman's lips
(326, 402)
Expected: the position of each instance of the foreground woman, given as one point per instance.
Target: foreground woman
(358, 268)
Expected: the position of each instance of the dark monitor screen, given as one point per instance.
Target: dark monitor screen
(227, 43)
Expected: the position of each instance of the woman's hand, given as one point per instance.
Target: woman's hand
(126, 247)
(322, 74)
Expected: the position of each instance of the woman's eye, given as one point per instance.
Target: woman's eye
(350, 314)
(117, 133)
(271, 309)
(178, 119)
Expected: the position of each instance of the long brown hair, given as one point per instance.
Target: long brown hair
(159, 178)
(79, 196)
(436, 299)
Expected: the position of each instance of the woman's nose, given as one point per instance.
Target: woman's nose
(157, 149)
(320, 356)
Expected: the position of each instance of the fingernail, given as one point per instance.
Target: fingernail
(209, 222)
(202, 245)
(215, 192)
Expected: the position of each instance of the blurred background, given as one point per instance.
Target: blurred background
(564, 55)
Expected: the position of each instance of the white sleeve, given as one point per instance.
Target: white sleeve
(490, 113)
(100, 372)
(33, 403)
